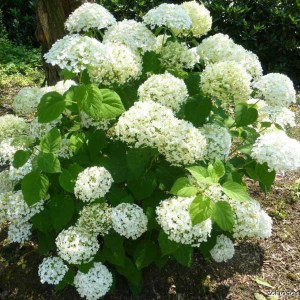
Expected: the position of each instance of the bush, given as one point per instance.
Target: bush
(140, 155)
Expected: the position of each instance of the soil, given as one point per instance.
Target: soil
(256, 264)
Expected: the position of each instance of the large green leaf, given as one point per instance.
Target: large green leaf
(48, 163)
(223, 215)
(245, 114)
(197, 109)
(183, 188)
(201, 209)
(51, 142)
(112, 105)
(61, 209)
(69, 176)
(50, 107)
(235, 191)
(34, 187)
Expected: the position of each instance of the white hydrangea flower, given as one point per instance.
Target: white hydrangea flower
(129, 220)
(52, 270)
(4, 203)
(17, 174)
(250, 220)
(87, 122)
(133, 34)
(27, 100)
(89, 16)
(220, 48)
(95, 219)
(226, 81)
(8, 150)
(19, 232)
(12, 126)
(19, 211)
(95, 283)
(92, 183)
(60, 87)
(118, 65)
(38, 130)
(223, 250)
(152, 124)
(276, 89)
(178, 55)
(75, 53)
(6, 184)
(218, 142)
(65, 150)
(280, 152)
(172, 16)
(174, 218)
(76, 246)
(200, 17)
(165, 89)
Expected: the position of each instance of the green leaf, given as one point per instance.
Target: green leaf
(197, 109)
(223, 215)
(61, 209)
(50, 107)
(166, 246)
(235, 191)
(145, 253)
(89, 99)
(48, 163)
(219, 168)
(51, 142)
(34, 187)
(20, 158)
(69, 176)
(201, 209)
(245, 115)
(112, 105)
(144, 186)
(183, 188)
(138, 160)
(184, 255)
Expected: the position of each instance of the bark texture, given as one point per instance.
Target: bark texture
(51, 15)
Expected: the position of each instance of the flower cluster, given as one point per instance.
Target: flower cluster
(95, 283)
(166, 89)
(95, 219)
(76, 246)
(52, 270)
(280, 152)
(250, 220)
(226, 81)
(200, 17)
(12, 126)
(178, 55)
(129, 220)
(27, 100)
(92, 183)
(118, 64)
(174, 218)
(172, 16)
(276, 89)
(75, 53)
(151, 124)
(218, 142)
(133, 34)
(223, 249)
(89, 16)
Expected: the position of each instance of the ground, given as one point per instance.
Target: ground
(258, 267)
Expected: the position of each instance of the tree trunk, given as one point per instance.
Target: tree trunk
(51, 15)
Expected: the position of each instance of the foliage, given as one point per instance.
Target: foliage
(105, 177)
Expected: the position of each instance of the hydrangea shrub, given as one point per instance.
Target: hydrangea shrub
(141, 153)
